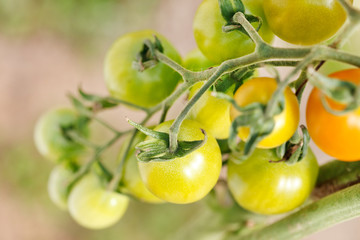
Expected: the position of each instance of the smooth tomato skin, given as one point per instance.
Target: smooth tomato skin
(261, 90)
(337, 136)
(211, 112)
(145, 88)
(50, 141)
(186, 179)
(131, 182)
(196, 61)
(94, 207)
(304, 22)
(219, 46)
(271, 188)
(57, 185)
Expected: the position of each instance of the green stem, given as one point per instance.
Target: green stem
(187, 75)
(81, 140)
(338, 207)
(239, 17)
(115, 181)
(85, 168)
(223, 68)
(129, 104)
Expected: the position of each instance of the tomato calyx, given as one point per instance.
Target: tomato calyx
(252, 116)
(157, 149)
(295, 149)
(146, 58)
(342, 92)
(229, 8)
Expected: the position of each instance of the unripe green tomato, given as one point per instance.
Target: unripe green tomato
(304, 22)
(49, 138)
(211, 112)
(131, 182)
(186, 179)
(196, 61)
(219, 46)
(265, 187)
(58, 184)
(94, 207)
(145, 88)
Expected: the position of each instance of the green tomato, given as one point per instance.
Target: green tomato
(196, 61)
(304, 22)
(212, 113)
(217, 45)
(266, 187)
(186, 179)
(94, 207)
(131, 181)
(58, 184)
(49, 138)
(145, 88)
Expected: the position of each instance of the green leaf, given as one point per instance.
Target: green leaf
(102, 102)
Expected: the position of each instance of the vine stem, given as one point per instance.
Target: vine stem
(85, 168)
(335, 208)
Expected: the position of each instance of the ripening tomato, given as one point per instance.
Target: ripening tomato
(131, 181)
(217, 45)
(338, 136)
(265, 187)
(49, 138)
(186, 179)
(211, 112)
(304, 22)
(261, 90)
(145, 88)
(94, 207)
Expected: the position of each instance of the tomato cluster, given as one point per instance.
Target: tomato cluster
(262, 180)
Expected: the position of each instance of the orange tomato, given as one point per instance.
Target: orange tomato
(337, 136)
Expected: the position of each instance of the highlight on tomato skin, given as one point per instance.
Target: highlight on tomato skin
(337, 136)
(262, 185)
(186, 179)
(261, 90)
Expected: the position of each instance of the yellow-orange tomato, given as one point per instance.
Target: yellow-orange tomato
(338, 136)
(260, 90)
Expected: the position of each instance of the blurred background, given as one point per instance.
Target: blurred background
(47, 49)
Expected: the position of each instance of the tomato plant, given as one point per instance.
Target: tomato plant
(304, 22)
(186, 179)
(272, 187)
(145, 88)
(131, 181)
(94, 207)
(49, 135)
(217, 45)
(338, 136)
(58, 184)
(260, 90)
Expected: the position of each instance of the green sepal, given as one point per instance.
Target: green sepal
(101, 102)
(297, 147)
(146, 58)
(228, 8)
(157, 149)
(232, 81)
